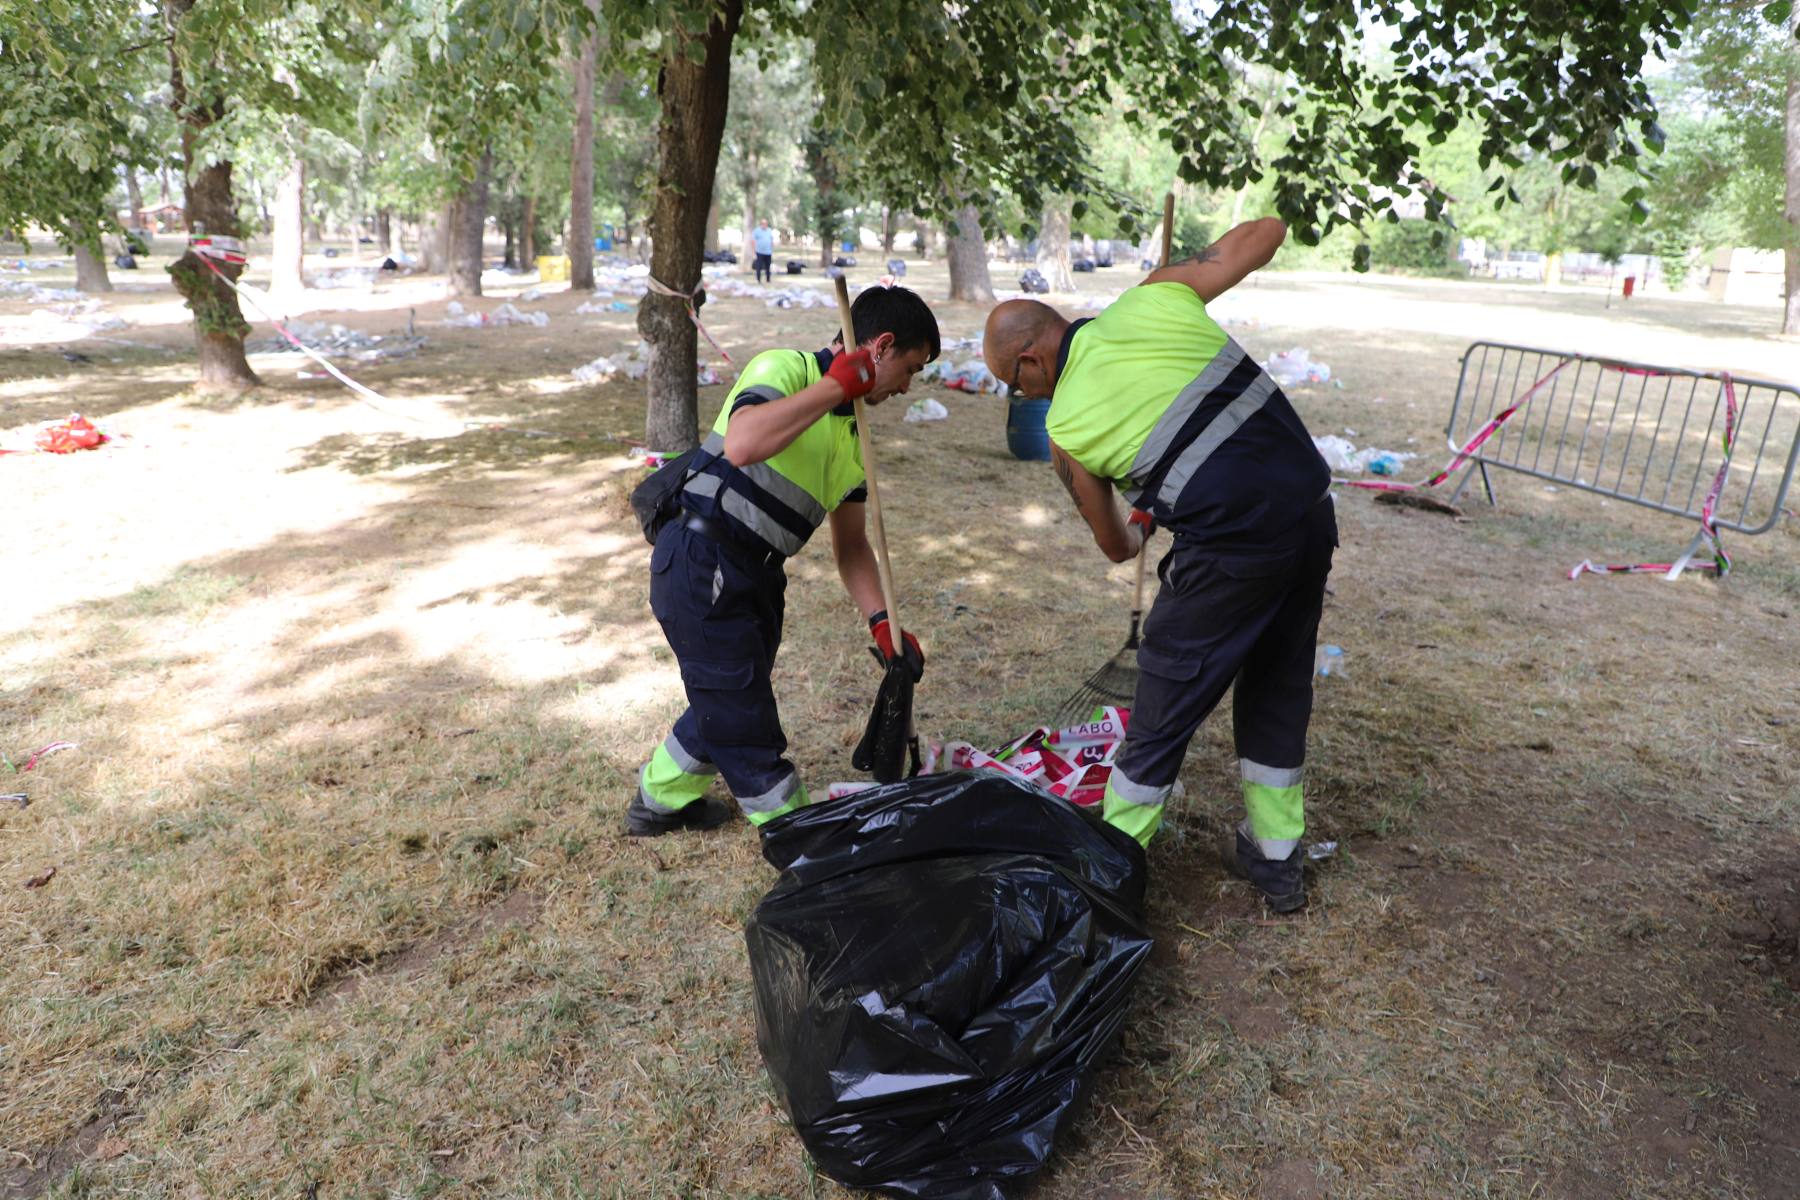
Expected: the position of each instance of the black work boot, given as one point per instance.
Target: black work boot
(641, 820)
(1279, 880)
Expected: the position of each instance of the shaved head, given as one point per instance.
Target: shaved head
(1017, 327)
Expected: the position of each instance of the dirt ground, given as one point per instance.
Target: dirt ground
(342, 907)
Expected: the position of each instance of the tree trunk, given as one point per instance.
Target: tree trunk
(396, 242)
(384, 229)
(135, 198)
(287, 278)
(90, 269)
(888, 225)
(1790, 322)
(167, 192)
(712, 223)
(509, 225)
(581, 188)
(468, 223)
(694, 91)
(922, 233)
(434, 240)
(967, 252)
(528, 235)
(1053, 247)
(219, 325)
(747, 251)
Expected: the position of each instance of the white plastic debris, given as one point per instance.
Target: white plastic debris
(1339, 454)
(1295, 368)
(925, 409)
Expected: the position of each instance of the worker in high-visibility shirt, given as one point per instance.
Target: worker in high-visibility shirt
(781, 460)
(1153, 398)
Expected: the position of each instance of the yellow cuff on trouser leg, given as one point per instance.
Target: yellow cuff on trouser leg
(673, 778)
(1274, 803)
(1134, 808)
(783, 798)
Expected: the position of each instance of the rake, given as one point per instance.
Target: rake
(1115, 683)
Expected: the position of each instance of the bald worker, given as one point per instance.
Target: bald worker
(1152, 398)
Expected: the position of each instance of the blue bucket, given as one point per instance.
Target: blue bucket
(1025, 433)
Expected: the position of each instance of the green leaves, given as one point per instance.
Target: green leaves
(1779, 12)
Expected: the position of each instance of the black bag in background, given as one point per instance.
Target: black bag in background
(939, 970)
(654, 499)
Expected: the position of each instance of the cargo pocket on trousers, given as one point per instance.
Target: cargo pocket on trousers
(1177, 665)
(729, 716)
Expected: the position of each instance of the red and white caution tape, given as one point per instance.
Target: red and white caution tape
(46, 752)
(687, 298)
(369, 395)
(1463, 452)
(1709, 530)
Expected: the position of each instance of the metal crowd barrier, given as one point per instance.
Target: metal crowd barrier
(1644, 434)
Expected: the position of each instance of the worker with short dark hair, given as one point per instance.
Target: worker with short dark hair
(781, 460)
(1153, 397)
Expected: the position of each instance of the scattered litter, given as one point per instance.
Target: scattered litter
(66, 437)
(1342, 456)
(32, 264)
(360, 279)
(1072, 764)
(1294, 368)
(1320, 851)
(339, 341)
(634, 365)
(530, 294)
(41, 878)
(46, 752)
(925, 409)
(594, 305)
(1329, 661)
(618, 306)
(506, 314)
(309, 375)
(18, 798)
(21, 290)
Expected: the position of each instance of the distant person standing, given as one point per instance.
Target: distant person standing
(763, 239)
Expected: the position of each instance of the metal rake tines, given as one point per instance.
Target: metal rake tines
(1113, 684)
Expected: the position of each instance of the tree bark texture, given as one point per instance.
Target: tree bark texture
(90, 270)
(287, 276)
(528, 238)
(395, 239)
(712, 223)
(967, 252)
(384, 228)
(468, 222)
(888, 224)
(581, 169)
(694, 92)
(134, 197)
(923, 234)
(434, 240)
(1053, 247)
(219, 325)
(1790, 322)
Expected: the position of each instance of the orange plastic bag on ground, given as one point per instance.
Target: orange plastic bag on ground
(76, 433)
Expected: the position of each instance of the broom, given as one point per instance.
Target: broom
(889, 736)
(1115, 683)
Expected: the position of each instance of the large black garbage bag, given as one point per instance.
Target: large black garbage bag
(940, 968)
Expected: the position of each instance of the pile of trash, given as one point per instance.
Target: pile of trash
(925, 409)
(339, 341)
(1342, 456)
(19, 289)
(82, 317)
(610, 305)
(634, 365)
(506, 314)
(1294, 368)
(360, 278)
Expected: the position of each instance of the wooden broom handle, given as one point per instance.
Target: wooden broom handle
(882, 568)
(1168, 246)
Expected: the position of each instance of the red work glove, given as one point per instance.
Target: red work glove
(854, 371)
(884, 643)
(1144, 521)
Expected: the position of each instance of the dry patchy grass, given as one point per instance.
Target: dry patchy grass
(342, 897)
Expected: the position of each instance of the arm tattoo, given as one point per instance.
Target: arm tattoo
(1210, 254)
(1066, 472)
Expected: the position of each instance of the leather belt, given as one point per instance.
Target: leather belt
(723, 534)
